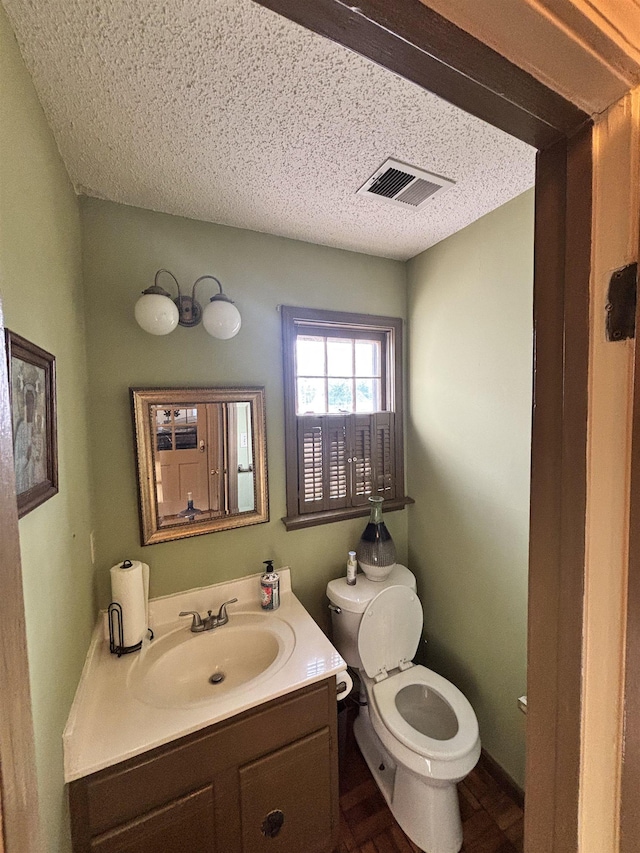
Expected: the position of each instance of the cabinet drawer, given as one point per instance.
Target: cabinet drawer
(113, 796)
(185, 824)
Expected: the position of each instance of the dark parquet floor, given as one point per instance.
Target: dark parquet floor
(492, 822)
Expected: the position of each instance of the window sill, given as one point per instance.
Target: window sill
(312, 519)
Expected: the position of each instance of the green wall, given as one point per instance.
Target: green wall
(470, 330)
(41, 290)
(123, 248)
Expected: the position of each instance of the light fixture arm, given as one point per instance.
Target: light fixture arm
(220, 295)
(155, 287)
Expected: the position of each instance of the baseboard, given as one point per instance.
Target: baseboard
(502, 778)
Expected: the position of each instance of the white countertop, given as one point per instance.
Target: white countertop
(108, 724)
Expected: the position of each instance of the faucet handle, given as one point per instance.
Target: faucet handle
(222, 613)
(196, 624)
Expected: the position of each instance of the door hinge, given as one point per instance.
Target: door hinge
(621, 303)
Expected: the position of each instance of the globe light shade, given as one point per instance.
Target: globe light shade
(221, 318)
(156, 314)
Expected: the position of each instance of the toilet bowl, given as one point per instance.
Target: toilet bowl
(417, 731)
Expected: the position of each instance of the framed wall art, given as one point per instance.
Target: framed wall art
(32, 389)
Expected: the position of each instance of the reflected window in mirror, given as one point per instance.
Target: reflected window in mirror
(201, 460)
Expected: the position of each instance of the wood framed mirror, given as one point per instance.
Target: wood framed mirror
(202, 460)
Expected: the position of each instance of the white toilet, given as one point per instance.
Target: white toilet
(417, 732)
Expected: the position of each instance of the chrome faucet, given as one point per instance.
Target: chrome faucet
(198, 624)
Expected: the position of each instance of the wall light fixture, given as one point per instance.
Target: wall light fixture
(158, 313)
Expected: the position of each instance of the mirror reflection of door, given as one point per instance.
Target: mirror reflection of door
(181, 458)
(203, 461)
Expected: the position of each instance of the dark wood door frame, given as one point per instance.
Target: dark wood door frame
(415, 42)
(18, 788)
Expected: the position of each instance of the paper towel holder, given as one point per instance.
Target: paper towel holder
(116, 632)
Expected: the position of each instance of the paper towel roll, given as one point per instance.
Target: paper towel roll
(344, 683)
(130, 588)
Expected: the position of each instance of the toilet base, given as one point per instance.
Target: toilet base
(426, 809)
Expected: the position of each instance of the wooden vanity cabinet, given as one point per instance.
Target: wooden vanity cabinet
(265, 780)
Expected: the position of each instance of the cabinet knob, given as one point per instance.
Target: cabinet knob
(272, 824)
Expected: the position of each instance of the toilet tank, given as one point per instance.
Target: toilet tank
(352, 601)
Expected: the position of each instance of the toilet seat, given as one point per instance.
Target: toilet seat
(384, 695)
(389, 631)
(388, 638)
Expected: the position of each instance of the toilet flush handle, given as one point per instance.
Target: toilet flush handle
(335, 609)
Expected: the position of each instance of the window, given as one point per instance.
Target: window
(343, 414)
(338, 373)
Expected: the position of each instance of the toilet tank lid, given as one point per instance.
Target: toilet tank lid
(356, 598)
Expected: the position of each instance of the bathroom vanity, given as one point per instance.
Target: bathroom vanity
(253, 769)
(265, 780)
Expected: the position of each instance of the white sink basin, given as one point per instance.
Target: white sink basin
(183, 670)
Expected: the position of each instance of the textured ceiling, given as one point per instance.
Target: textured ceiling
(223, 111)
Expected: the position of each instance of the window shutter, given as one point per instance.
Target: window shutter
(373, 448)
(384, 467)
(362, 469)
(310, 468)
(336, 454)
(344, 459)
(323, 451)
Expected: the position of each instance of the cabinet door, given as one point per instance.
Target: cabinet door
(184, 824)
(285, 798)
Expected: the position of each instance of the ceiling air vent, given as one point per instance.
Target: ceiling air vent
(403, 185)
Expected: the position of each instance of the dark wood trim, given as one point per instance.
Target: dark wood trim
(324, 317)
(414, 41)
(546, 452)
(18, 785)
(630, 782)
(558, 494)
(573, 484)
(312, 519)
(290, 420)
(501, 778)
(397, 358)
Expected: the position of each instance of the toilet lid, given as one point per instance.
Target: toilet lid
(390, 630)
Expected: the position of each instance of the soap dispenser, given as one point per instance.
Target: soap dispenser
(270, 587)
